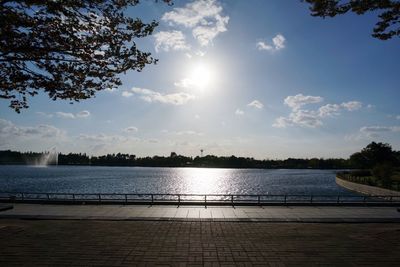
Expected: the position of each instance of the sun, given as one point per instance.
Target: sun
(201, 76)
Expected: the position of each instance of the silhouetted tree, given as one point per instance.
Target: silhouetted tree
(373, 154)
(385, 28)
(68, 49)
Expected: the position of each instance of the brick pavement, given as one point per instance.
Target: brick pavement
(197, 243)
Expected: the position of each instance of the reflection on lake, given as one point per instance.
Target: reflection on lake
(87, 179)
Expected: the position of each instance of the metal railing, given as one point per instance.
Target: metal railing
(200, 199)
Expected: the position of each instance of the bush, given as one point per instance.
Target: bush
(360, 173)
(383, 172)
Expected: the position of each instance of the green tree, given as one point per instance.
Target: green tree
(389, 13)
(358, 160)
(373, 154)
(69, 49)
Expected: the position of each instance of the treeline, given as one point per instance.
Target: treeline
(373, 154)
(174, 160)
(378, 164)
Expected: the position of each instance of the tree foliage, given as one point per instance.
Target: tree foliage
(388, 25)
(374, 154)
(69, 49)
(174, 160)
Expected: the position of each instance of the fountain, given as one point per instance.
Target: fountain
(48, 158)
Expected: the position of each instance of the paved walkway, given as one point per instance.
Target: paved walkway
(199, 243)
(210, 213)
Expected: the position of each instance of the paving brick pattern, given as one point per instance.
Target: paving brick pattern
(197, 243)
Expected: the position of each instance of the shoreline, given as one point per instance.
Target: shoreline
(199, 167)
(366, 189)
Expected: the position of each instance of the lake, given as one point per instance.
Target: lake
(90, 179)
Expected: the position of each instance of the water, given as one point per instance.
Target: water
(86, 179)
(50, 157)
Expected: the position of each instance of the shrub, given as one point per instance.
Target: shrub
(383, 172)
(360, 173)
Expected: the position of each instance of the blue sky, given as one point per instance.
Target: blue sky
(251, 78)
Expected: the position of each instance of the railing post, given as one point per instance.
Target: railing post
(311, 199)
(73, 197)
(391, 199)
(285, 199)
(22, 196)
(152, 199)
(126, 199)
(258, 199)
(179, 200)
(365, 199)
(205, 200)
(338, 198)
(232, 199)
(99, 198)
(48, 196)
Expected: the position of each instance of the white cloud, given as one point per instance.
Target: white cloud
(35, 138)
(398, 117)
(206, 34)
(153, 96)
(299, 100)
(239, 112)
(193, 13)
(127, 94)
(83, 114)
(131, 129)
(282, 122)
(111, 90)
(197, 116)
(374, 131)
(256, 104)
(10, 130)
(311, 118)
(264, 46)
(329, 110)
(204, 17)
(189, 132)
(185, 83)
(352, 105)
(184, 132)
(104, 138)
(172, 40)
(278, 43)
(200, 53)
(305, 118)
(44, 114)
(65, 115)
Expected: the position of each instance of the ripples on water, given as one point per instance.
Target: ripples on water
(85, 179)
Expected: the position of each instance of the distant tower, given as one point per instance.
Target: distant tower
(201, 151)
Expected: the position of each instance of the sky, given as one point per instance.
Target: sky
(257, 78)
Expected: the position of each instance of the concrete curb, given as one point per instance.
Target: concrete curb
(167, 219)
